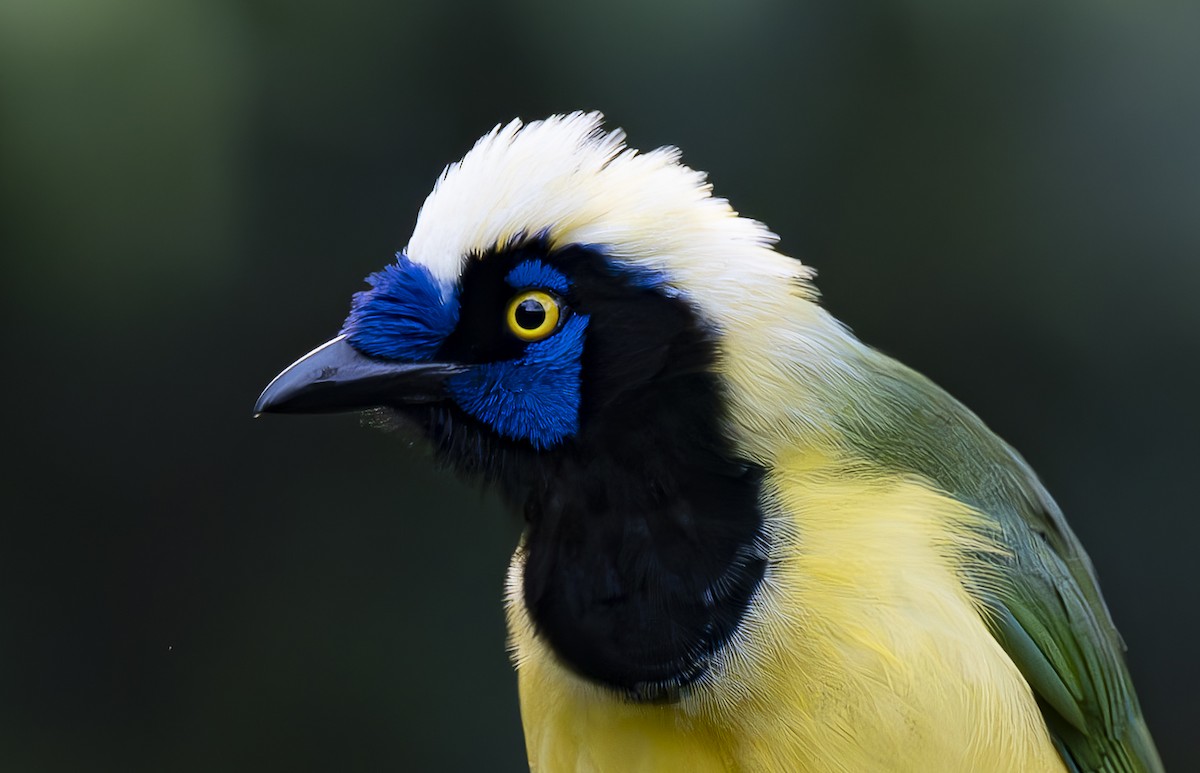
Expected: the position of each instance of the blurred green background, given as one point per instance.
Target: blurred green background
(1004, 194)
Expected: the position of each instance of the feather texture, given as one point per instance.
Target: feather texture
(925, 606)
(863, 651)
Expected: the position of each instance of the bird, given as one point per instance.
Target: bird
(750, 542)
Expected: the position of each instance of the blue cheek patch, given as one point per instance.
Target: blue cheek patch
(403, 316)
(535, 397)
(534, 273)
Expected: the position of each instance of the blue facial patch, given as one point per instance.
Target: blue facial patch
(642, 277)
(534, 273)
(403, 316)
(535, 397)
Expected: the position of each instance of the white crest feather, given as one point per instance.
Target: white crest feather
(567, 178)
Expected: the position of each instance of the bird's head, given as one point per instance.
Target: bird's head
(558, 288)
(623, 354)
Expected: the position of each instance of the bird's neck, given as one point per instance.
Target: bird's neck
(643, 550)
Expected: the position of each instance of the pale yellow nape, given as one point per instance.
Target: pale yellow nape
(863, 651)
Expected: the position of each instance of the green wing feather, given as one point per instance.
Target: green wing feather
(1048, 612)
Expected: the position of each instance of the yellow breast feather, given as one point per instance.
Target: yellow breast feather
(864, 651)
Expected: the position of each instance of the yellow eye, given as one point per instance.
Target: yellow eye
(532, 315)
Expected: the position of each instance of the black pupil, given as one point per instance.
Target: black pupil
(530, 314)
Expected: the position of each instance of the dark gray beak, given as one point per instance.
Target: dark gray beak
(337, 377)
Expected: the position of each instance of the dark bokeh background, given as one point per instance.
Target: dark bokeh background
(1003, 194)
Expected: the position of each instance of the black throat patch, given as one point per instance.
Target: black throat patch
(644, 541)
